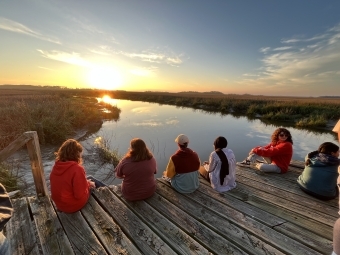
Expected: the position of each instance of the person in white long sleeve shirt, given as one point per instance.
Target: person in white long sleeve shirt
(221, 168)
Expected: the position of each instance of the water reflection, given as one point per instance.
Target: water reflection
(158, 125)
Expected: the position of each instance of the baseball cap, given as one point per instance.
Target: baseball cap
(182, 139)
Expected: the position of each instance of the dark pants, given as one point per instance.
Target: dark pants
(317, 195)
(96, 182)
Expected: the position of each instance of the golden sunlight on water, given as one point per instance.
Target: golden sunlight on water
(107, 99)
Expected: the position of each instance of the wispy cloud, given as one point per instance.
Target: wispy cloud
(306, 64)
(15, 27)
(155, 57)
(140, 71)
(70, 58)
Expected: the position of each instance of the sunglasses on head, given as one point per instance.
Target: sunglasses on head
(282, 134)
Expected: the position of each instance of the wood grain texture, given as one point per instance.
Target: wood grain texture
(52, 237)
(177, 239)
(19, 230)
(137, 231)
(108, 232)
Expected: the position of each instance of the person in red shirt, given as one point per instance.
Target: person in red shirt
(137, 168)
(70, 188)
(277, 154)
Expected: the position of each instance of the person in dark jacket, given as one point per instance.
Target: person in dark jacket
(6, 211)
(320, 175)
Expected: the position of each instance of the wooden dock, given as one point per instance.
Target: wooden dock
(265, 214)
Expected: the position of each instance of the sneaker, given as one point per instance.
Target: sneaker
(244, 163)
(259, 161)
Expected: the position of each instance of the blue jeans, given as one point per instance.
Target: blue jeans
(96, 182)
(4, 245)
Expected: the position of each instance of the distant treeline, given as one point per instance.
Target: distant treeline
(309, 112)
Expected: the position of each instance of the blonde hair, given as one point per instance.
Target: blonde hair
(70, 150)
(138, 150)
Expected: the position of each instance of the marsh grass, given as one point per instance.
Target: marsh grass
(105, 152)
(303, 112)
(59, 115)
(9, 177)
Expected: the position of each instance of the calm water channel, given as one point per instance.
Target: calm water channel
(158, 125)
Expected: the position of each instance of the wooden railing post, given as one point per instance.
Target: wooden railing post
(34, 153)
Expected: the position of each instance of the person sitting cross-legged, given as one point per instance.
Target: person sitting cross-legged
(182, 169)
(220, 171)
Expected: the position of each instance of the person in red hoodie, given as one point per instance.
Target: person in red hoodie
(277, 154)
(70, 188)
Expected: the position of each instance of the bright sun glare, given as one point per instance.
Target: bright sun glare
(104, 78)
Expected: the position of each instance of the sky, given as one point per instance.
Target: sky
(281, 48)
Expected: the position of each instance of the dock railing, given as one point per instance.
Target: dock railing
(30, 138)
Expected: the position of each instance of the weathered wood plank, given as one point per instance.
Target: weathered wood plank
(19, 229)
(223, 217)
(214, 242)
(246, 195)
(295, 232)
(177, 239)
(252, 211)
(34, 153)
(137, 231)
(315, 241)
(107, 231)
(52, 237)
(14, 146)
(279, 194)
(278, 181)
(82, 239)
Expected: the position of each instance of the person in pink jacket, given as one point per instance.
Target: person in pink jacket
(277, 154)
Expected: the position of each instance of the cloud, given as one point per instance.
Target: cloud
(307, 64)
(140, 71)
(154, 57)
(282, 48)
(70, 58)
(15, 27)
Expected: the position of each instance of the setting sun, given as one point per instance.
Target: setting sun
(104, 78)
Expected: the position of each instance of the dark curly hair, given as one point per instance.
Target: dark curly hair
(70, 150)
(325, 148)
(275, 135)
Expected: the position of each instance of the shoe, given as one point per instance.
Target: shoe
(259, 161)
(257, 169)
(244, 163)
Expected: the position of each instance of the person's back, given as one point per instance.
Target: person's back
(139, 182)
(319, 177)
(70, 190)
(69, 187)
(137, 168)
(183, 167)
(229, 181)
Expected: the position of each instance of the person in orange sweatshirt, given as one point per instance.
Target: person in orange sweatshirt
(70, 188)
